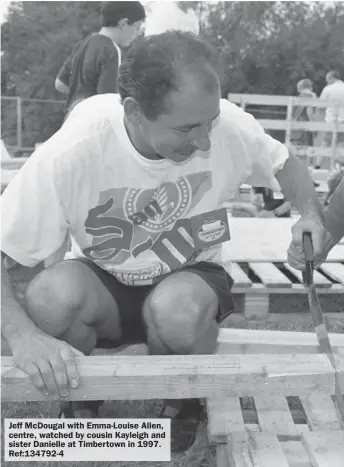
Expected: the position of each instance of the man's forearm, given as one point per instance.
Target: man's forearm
(14, 319)
(334, 214)
(297, 187)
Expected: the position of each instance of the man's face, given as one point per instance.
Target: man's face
(129, 32)
(186, 128)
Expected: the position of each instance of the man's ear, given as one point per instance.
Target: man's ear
(132, 110)
(122, 23)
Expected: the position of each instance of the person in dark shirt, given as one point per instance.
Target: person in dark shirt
(92, 67)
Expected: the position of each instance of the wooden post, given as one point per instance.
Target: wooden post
(19, 123)
(334, 140)
(289, 120)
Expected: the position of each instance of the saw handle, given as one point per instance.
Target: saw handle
(309, 257)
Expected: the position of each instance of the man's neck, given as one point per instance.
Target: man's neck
(138, 143)
(111, 33)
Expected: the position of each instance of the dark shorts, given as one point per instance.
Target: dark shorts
(130, 299)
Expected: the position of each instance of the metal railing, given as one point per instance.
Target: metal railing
(17, 125)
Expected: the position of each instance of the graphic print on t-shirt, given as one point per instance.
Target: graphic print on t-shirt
(148, 229)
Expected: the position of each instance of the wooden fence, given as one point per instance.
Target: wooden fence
(283, 106)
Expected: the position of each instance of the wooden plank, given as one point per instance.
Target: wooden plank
(275, 124)
(238, 450)
(266, 451)
(221, 456)
(274, 415)
(275, 100)
(263, 240)
(295, 289)
(14, 163)
(261, 339)
(319, 279)
(224, 417)
(334, 270)
(256, 306)
(184, 376)
(295, 454)
(321, 412)
(325, 448)
(270, 275)
(239, 276)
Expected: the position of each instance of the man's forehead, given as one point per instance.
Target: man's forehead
(192, 106)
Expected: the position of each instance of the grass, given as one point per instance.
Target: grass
(201, 454)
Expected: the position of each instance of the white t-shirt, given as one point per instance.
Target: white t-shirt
(166, 16)
(129, 214)
(334, 93)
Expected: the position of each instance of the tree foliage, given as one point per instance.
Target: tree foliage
(266, 48)
(36, 39)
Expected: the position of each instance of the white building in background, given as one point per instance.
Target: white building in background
(164, 16)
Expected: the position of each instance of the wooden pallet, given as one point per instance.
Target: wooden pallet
(276, 431)
(258, 280)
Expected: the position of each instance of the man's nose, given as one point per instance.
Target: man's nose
(202, 138)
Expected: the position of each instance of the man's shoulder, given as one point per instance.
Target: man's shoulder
(235, 118)
(99, 107)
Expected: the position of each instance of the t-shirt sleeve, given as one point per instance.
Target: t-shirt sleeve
(108, 71)
(265, 155)
(34, 224)
(64, 73)
(334, 214)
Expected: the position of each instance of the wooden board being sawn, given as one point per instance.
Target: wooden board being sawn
(264, 240)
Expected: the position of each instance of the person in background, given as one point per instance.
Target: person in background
(92, 67)
(167, 16)
(268, 206)
(303, 113)
(334, 93)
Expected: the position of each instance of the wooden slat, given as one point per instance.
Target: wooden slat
(14, 164)
(334, 270)
(295, 454)
(239, 276)
(190, 376)
(295, 289)
(266, 451)
(274, 415)
(270, 275)
(325, 448)
(222, 456)
(274, 100)
(224, 417)
(319, 279)
(321, 412)
(250, 340)
(238, 450)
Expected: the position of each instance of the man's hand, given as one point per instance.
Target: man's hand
(49, 362)
(312, 224)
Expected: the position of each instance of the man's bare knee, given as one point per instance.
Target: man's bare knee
(183, 327)
(54, 299)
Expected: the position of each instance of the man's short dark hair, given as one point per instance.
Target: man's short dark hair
(113, 12)
(156, 65)
(333, 74)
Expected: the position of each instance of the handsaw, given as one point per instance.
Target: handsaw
(318, 320)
